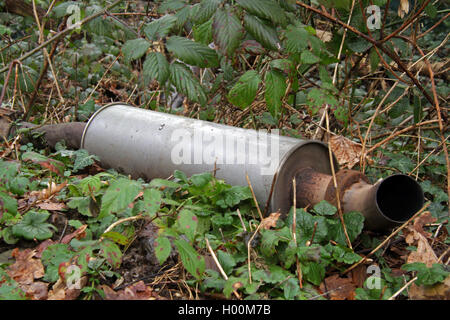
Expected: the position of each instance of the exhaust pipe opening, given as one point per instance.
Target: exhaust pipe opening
(399, 197)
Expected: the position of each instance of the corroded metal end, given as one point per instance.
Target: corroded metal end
(386, 204)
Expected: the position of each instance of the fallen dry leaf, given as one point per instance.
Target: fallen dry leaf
(403, 8)
(347, 152)
(25, 270)
(424, 219)
(51, 206)
(61, 292)
(52, 189)
(136, 291)
(270, 221)
(80, 233)
(424, 252)
(338, 288)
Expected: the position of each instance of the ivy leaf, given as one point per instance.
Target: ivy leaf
(264, 34)
(354, 222)
(119, 195)
(266, 9)
(313, 272)
(162, 249)
(134, 49)
(152, 201)
(244, 91)
(83, 159)
(33, 226)
(227, 31)
(159, 28)
(192, 260)
(275, 83)
(192, 53)
(185, 82)
(156, 68)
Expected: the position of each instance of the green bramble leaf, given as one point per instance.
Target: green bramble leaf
(227, 30)
(119, 195)
(111, 252)
(159, 28)
(187, 223)
(156, 68)
(265, 9)
(135, 49)
(185, 82)
(162, 248)
(192, 53)
(244, 91)
(191, 259)
(152, 201)
(275, 83)
(266, 35)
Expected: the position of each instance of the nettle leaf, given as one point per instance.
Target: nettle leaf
(152, 201)
(244, 91)
(156, 68)
(111, 252)
(163, 248)
(187, 223)
(159, 28)
(135, 49)
(276, 86)
(33, 226)
(296, 40)
(266, 9)
(263, 33)
(193, 53)
(185, 82)
(119, 195)
(227, 31)
(191, 259)
(52, 257)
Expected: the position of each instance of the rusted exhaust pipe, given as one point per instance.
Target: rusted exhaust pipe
(386, 204)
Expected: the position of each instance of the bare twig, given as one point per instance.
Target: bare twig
(254, 197)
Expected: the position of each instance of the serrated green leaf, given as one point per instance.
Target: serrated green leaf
(33, 226)
(8, 206)
(152, 201)
(193, 53)
(290, 288)
(427, 276)
(226, 260)
(296, 40)
(201, 179)
(158, 183)
(82, 204)
(284, 65)
(111, 252)
(185, 82)
(90, 184)
(134, 49)
(263, 33)
(227, 31)
(244, 91)
(187, 223)
(313, 272)
(275, 83)
(354, 222)
(308, 57)
(324, 208)
(266, 9)
(116, 237)
(206, 10)
(156, 68)
(52, 257)
(159, 28)
(162, 249)
(119, 195)
(191, 259)
(203, 33)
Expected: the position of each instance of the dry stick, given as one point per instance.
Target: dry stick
(435, 25)
(63, 33)
(425, 159)
(294, 233)
(254, 197)
(8, 75)
(112, 226)
(222, 272)
(336, 187)
(240, 218)
(266, 209)
(248, 252)
(327, 106)
(417, 214)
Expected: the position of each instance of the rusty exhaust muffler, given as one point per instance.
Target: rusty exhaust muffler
(149, 144)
